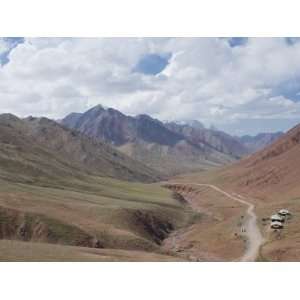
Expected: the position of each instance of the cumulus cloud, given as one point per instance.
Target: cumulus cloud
(217, 81)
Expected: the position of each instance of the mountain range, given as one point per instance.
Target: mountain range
(170, 148)
(39, 149)
(259, 141)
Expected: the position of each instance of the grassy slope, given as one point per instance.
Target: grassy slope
(52, 191)
(120, 215)
(32, 252)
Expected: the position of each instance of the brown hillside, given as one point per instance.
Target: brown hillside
(38, 149)
(271, 171)
(270, 180)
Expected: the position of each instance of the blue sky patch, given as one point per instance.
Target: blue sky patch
(11, 42)
(292, 40)
(152, 64)
(237, 41)
(290, 89)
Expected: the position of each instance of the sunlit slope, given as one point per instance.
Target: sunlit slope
(273, 172)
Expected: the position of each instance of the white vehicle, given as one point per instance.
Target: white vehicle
(277, 218)
(276, 225)
(284, 212)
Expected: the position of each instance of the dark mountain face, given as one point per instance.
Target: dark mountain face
(148, 140)
(72, 118)
(109, 125)
(154, 131)
(114, 127)
(260, 141)
(41, 149)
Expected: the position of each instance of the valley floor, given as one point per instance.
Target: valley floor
(247, 230)
(189, 218)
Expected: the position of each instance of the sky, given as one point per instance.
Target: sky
(239, 85)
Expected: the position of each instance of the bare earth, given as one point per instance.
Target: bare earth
(251, 231)
(253, 234)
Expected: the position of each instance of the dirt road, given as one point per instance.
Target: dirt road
(252, 232)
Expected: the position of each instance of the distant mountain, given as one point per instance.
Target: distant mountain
(218, 140)
(39, 149)
(259, 141)
(236, 146)
(114, 127)
(71, 119)
(148, 140)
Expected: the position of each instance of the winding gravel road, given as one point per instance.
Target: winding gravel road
(253, 234)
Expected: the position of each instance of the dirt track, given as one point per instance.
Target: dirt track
(253, 234)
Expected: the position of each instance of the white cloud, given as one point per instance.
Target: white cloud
(206, 79)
